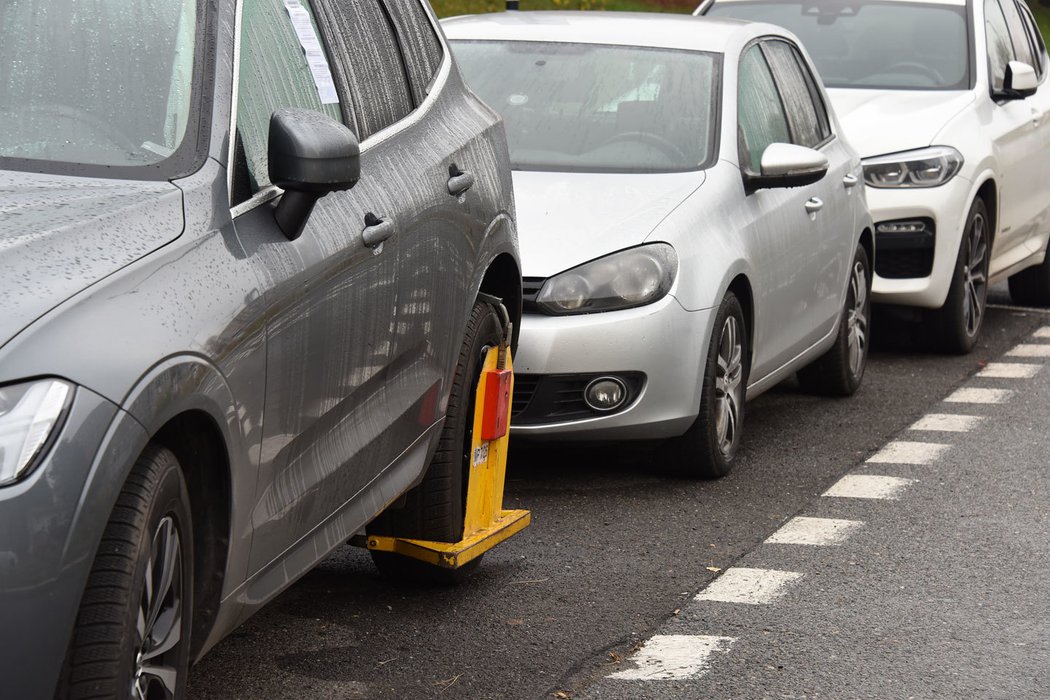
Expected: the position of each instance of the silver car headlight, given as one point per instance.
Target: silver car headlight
(925, 167)
(29, 413)
(628, 278)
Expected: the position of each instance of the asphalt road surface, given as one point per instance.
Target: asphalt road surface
(603, 583)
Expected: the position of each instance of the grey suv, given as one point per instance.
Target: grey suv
(250, 257)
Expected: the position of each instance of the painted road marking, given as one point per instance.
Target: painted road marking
(1043, 332)
(904, 452)
(814, 531)
(1029, 350)
(869, 486)
(750, 586)
(1009, 370)
(946, 422)
(974, 395)
(674, 657)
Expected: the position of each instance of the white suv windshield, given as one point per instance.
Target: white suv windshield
(590, 108)
(884, 45)
(97, 82)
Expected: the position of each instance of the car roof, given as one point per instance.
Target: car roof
(648, 29)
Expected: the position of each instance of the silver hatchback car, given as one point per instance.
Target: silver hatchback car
(693, 225)
(218, 361)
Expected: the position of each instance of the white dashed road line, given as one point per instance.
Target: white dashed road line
(1009, 370)
(869, 486)
(976, 395)
(904, 452)
(749, 586)
(1043, 332)
(673, 657)
(815, 531)
(946, 423)
(1029, 350)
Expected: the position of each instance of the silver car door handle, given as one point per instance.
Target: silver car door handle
(376, 230)
(814, 204)
(850, 181)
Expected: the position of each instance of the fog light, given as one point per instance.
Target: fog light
(605, 393)
(901, 227)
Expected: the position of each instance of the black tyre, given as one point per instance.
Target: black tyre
(840, 370)
(1031, 287)
(132, 634)
(435, 509)
(708, 449)
(957, 324)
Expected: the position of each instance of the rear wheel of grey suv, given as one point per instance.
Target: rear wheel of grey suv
(1031, 287)
(958, 323)
(708, 449)
(132, 633)
(435, 509)
(840, 370)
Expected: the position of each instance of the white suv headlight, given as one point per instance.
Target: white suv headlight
(28, 414)
(628, 278)
(925, 167)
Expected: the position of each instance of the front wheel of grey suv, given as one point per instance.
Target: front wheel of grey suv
(132, 633)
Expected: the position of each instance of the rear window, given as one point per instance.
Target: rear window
(592, 108)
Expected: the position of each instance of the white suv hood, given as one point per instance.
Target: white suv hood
(877, 122)
(565, 219)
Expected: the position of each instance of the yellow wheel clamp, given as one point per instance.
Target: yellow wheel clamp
(485, 524)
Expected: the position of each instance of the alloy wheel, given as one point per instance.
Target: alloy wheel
(729, 386)
(857, 319)
(975, 279)
(159, 623)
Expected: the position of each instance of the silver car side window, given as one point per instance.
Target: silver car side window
(795, 91)
(274, 73)
(760, 112)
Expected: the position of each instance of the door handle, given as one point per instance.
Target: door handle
(850, 181)
(814, 204)
(376, 230)
(458, 180)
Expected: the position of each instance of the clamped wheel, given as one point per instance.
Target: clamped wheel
(485, 524)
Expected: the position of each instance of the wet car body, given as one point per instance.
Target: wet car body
(302, 383)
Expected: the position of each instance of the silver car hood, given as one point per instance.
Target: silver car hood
(59, 235)
(565, 219)
(877, 122)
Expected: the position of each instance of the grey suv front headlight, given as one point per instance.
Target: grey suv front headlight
(628, 278)
(29, 413)
(925, 167)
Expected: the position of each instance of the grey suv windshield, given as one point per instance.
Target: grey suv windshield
(588, 108)
(891, 45)
(95, 82)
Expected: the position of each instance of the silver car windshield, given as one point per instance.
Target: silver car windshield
(878, 45)
(96, 82)
(591, 108)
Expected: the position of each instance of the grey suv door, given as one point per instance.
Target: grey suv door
(330, 321)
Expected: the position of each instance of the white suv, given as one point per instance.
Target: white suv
(947, 101)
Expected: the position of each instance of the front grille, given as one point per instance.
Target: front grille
(530, 287)
(524, 389)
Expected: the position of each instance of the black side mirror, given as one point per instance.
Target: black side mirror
(310, 155)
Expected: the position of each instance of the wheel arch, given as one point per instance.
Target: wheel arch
(502, 279)
(740, 286)
(988, 192)
(867, 242)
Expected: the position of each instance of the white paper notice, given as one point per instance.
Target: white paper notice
(315, 58)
